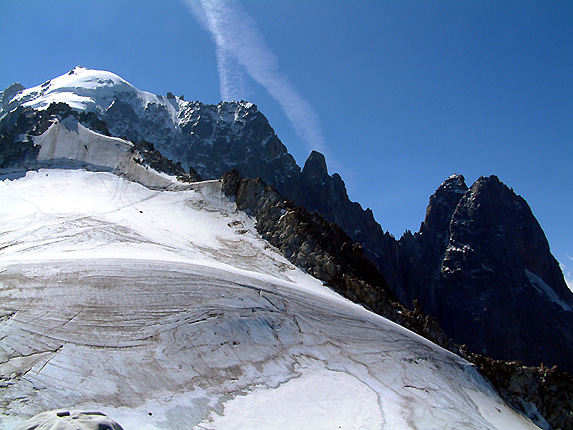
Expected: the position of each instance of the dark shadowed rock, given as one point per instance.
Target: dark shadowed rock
(422, 253)
(315, 169)
(500, 286)
(482, 265)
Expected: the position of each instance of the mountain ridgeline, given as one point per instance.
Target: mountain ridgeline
(480, 263)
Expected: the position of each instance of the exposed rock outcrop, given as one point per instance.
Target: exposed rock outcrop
(153, 158)
(422, 253)
(482, 265)
(544, 394)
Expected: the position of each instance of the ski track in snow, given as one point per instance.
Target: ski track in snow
(166, 310)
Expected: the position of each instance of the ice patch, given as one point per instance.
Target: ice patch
(540, 285)
(567, 274)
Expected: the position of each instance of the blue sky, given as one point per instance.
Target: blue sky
(405, 92)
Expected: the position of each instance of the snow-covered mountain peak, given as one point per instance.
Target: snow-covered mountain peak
(84, 90)
(169, 122)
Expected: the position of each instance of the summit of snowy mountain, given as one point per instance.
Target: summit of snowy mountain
(82, 89)
(211, 139)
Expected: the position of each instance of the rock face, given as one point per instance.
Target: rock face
(482, 265)
(212, 139)
(498, 254)
(422, 254)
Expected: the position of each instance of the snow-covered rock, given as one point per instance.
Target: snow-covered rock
(211, 138)
(68, 144)
(66, 420)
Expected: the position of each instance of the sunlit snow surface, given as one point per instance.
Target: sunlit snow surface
(93, 90)
(83, 89)
(166, 310)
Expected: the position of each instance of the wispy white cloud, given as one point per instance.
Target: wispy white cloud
(241, 49)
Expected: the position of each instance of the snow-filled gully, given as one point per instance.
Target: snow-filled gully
(165, 310)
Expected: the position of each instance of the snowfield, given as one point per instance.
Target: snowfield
(166, 310)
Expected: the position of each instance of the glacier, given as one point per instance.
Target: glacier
(163, 308)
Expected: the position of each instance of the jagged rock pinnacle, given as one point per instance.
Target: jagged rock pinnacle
(443, 203)
(315, 167)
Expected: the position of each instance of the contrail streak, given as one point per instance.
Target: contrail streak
(241, 48)
(231, 76)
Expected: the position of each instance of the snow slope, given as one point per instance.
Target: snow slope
(166, 310)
